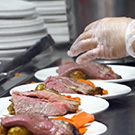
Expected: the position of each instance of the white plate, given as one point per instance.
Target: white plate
(51, 10)
(114, 90)
(89, 104)
(26, 30)
(95, 127)
(54, 18)
(22, 43)
(4, 23)
(44, 73)
(16, 9)
(127, 73)
(49, 3)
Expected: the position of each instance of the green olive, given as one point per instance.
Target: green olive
(40, 87)
(78, 75)
(11, 109)
(3, 130)
(18, 131)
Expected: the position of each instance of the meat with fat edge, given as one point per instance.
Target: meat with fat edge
(45, 103)
(92, 70)
(69, 85)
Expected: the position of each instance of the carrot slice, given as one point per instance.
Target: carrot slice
(112, 71)
(64, 118)
(105, 92)
(74, 98)
(88, 82)
(79, 120)
(82, 130)
(82, 118)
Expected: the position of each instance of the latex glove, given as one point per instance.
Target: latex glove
(104, 38)
(130, 39)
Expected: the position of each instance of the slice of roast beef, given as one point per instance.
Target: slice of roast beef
(69, 85)
(45, 103)
(39, 125)
(92, 70)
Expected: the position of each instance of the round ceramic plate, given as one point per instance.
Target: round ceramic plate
(126, 72)
(114, 90)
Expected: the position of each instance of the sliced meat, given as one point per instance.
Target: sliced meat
(93, 70)
(39, 125)
(43, 102)
(69, 85)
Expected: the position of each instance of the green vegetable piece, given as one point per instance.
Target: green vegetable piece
(3, 130)
(18, 131)
(40, 87)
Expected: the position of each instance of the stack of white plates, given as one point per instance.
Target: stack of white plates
(53, 12)
(20, 27)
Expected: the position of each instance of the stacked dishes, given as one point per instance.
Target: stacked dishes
(20, 27)
(54, 15)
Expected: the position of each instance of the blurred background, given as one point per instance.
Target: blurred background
(24, 22)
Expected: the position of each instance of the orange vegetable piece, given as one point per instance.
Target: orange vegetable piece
(75, 98)
(105, 92)
(17, 74)
(112, 71)
(82, 118)
(79, 120)
(68, 62)
(83, 130)
(88, 82)
(64, 118)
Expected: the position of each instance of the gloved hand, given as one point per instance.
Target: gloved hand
(104, 38)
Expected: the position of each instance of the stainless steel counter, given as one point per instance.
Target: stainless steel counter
(120, 116)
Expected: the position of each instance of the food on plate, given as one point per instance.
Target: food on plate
(28, 124)
(46, 103)
(89, 70)
(79, 120)
(69, 85)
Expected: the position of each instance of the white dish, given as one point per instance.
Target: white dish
(114, 90)
(51, 10)
(4, 23)
(95, 127)
(15, 5)
(89, 104)
(49, 3)
(22, 43)
(25, 37)
(54, 18)
(127, 73)
(23, 30)
(16, 9)
(44, 73)
(58, 31)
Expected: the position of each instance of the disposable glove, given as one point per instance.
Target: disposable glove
(104, 38)
(130, 39)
